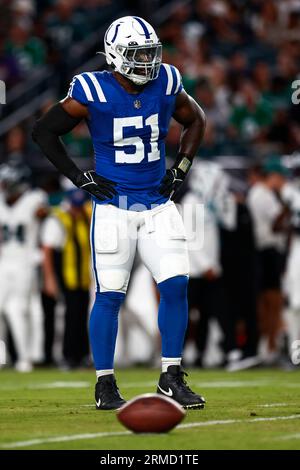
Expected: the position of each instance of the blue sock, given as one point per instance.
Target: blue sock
(104, 328)
(173, 315)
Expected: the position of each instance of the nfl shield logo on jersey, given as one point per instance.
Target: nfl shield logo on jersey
(137, 104)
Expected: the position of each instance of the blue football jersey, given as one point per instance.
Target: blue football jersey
(128, 132)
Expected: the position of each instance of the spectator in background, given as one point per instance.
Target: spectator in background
(238, 257)
(262, 77)
(64, 27)
(206, 204)
(211, 144)
(9, 68)
(28, 50)
(21, 211)
(291, 196)
(269, 217)
(50, 183)
(251, 115)
(279, 131)
(78, 142)
(266, 21)
(23, 11)
(65, 242)
(215, 113)
(16, 145)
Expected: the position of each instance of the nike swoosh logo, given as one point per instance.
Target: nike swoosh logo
(98, 403)
(169, 393)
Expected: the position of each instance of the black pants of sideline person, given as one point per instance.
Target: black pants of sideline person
(49, 304)
(76, 343)
(206, 297)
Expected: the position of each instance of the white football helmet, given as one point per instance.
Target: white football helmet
(133, 49)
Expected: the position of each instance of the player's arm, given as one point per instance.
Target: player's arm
(189, 114)
(41, 213)
(50, 282)
(59, 120)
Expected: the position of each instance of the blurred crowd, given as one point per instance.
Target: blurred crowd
(36, 33)
(238, 59)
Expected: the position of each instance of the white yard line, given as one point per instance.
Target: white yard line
(76, 437)
(275, 405)
(287, 437)
(59, 384)
(85, 384)
(231, 383)
(73, 437)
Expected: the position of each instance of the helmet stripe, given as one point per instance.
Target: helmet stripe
(97, 86)
(145, 29)
(116, 33)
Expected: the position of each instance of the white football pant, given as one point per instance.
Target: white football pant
(158, 235)
(15, 291)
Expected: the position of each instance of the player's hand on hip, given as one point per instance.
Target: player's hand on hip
(171, 182)
(98, 186)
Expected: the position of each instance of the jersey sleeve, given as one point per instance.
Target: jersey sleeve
(171, 79)
(86, 88)
(79, 90)
(52, 233)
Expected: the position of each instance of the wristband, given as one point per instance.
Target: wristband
(183, 163)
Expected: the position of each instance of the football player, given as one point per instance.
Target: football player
(128, 110)
(21, 209)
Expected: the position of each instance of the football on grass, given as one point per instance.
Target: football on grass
(150, 413)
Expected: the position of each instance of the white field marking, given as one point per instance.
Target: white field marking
(267, 405)
(212, 384)
(287, 437)
(276, 405)
(232, 384)
(75, 437)
(50, 385)
(59, 384)
(234, 421)
(85, 384)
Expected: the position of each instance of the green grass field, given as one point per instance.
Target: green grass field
(54, 410)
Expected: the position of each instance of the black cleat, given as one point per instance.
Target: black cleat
(107, 394)
(173, 385)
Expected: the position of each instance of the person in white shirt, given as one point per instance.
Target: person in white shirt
(269, 215)
(66, 270)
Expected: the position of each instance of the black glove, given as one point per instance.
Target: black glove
(96, 185)
(175, 176)
(171, 182)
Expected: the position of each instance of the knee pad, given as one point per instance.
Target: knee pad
(114, 280)
(173, 265)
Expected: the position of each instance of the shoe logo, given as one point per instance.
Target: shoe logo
(169, 393)
(98, 403)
